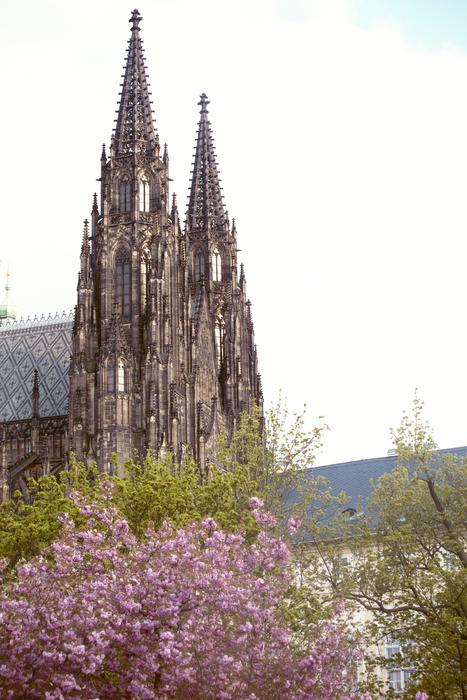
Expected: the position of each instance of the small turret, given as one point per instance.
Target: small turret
(7, 310)
(242, 279)
(35, 395)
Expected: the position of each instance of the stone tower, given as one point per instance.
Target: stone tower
(163, 353)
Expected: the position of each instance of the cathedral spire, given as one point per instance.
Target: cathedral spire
(134, 131)
(206, 208)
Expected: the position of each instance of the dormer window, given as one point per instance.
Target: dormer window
(125, 196)
(352, 513)
(216, 262)
(144, 194)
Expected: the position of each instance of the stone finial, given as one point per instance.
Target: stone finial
(203, 102)
(135, 19)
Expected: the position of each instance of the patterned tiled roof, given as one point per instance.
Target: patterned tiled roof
(43, 344)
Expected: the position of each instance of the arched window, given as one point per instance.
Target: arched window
(122, 283)
(125, 196)
(144, 194)
(219, 338)
(110, 378)
(121, 377)
(199, 266)
(216, 266)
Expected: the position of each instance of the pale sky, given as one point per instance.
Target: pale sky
(341, 132)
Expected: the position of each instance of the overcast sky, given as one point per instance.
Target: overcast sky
(341, 132)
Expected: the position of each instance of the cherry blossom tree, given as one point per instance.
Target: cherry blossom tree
(190, 612)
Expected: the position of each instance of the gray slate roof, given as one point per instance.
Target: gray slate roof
(354, 477)
(43, 344)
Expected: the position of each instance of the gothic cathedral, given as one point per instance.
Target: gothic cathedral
(161, 342)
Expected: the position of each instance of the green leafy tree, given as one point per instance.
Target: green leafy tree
(26, 528)
(405, 559)
(262, 460)
(159, 489)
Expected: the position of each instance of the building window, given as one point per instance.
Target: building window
(110, 378)
(199, 266)
(122, 283)
(397, 676)
(121, 378)
(125, 196)
(144, 194)
(216, 266)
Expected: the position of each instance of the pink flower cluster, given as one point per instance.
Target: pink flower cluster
(189, 613)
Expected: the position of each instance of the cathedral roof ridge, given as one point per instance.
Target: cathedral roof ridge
(9, 325)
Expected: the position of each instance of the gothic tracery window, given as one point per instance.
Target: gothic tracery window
(110, 378)
(144, 194)
(122, 283)
(216, 262)
(125, 196)
(117, 377)
(199, 266)
(121, 377)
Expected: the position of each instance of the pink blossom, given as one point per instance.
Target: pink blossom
(293, 524)
(182, 613)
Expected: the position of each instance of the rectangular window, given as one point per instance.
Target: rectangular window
(109, 413)
(398, 677)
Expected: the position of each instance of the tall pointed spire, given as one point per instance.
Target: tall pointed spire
(134, 131)
(206, 208)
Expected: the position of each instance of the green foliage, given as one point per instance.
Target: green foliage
(265, 460)
(159, 489)
(26, 528)
(407, 560)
